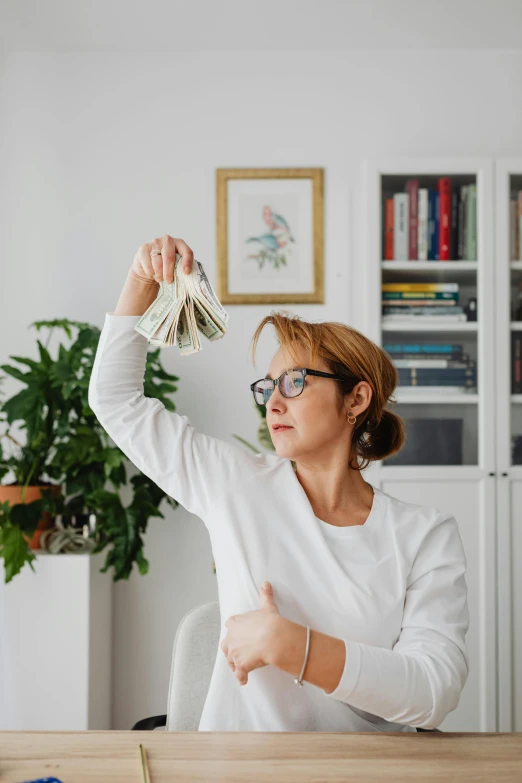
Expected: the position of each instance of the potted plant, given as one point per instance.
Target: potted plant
(68, 466)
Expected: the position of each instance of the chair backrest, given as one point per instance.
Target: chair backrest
(193, 657)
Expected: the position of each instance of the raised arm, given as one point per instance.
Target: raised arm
(193, 468)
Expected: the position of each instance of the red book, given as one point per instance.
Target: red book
(388, 230)
(445, 218)
(412, 189)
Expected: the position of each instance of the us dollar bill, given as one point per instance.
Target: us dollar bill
(183, 308)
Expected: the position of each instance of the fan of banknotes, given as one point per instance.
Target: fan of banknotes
(181, 309)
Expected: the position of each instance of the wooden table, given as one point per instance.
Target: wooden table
(242, 757)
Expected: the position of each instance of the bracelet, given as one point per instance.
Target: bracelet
(145, 280)
(299, 680)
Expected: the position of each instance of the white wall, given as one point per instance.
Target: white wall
(101, 152)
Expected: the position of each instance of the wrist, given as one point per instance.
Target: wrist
(144, 280)
(277, 626)
(137, 295)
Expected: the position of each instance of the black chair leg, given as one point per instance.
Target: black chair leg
(149, 724)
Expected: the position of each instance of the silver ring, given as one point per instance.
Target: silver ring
(155, 253)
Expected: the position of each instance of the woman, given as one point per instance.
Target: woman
(366, 604)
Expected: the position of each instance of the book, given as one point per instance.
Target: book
(516, 368)
(462, 222)
(445, 218)
(424, 319)
(454, 224)
(514, 229)
(432, 308)
(431, 363)
(388, 229)
(400, 227)
(412, 188)
(415, 393)
(428, 374)
(422, 225)
(471, 224)
(426, 350)
(404, 303)
(420, 287)
(459, 383)
(436, 238)
(425, 295)
(432, 224)
(519, 225)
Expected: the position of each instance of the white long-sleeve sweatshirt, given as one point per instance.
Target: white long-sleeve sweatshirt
(393, 588)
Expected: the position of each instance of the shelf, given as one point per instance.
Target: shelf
(516, 265)
(464, 326)
(516, 398)
(516, 326)
(447, 473)
(431, 266)
(423, 398)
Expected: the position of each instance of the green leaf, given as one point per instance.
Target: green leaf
(15, 372)
(27, 515)
(26, 405)
(29, 362)
(45, 356)
(14, 550)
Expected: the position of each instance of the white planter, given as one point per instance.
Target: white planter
(55, 645)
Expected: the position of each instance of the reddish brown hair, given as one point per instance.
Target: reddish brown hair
(379, 432)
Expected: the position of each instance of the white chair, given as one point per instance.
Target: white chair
(196, 645)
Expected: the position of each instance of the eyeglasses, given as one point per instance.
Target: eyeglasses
(291, 384)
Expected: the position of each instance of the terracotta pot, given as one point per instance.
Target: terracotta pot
(13, 494)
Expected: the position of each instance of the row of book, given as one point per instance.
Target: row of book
(516, 363)
(515, 225)
(426, 302)
(437, 367)
(430, 224)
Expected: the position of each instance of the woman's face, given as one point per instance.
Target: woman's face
(316, 429)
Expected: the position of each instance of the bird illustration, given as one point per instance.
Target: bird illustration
(275, 222)
(267, 240)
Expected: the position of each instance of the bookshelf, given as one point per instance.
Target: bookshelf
(473, 277)
(465, 483)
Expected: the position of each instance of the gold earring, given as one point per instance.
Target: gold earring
(354, 420)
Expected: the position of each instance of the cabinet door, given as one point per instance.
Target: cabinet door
(510, 609)
(472, 501)
(508, 416)
(516, 570)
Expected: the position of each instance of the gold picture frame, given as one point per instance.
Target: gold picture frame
(307, 199)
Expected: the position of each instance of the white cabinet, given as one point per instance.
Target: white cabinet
(55, 645)
(468, 484)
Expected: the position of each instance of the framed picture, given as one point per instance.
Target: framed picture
(270, 236)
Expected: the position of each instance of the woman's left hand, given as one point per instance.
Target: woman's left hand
(250, 636)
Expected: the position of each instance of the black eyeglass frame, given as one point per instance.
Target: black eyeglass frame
(305, 370)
